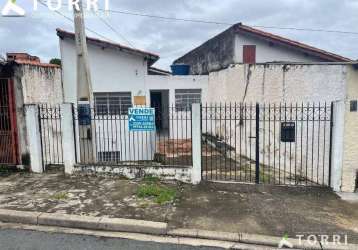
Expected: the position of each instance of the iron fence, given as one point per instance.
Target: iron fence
(51, 134)
(283, 144)
(104, 138)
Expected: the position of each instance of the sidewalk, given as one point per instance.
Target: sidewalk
(252, 209)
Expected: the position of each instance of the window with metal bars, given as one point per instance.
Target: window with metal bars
(112, 103)
(184, 98)
(110, 156)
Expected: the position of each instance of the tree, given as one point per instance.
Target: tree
(55, 61)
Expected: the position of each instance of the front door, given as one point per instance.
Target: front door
(156, 103)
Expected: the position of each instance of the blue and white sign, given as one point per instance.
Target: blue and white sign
(141, 119)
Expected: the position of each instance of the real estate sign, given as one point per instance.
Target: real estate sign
(141, 119)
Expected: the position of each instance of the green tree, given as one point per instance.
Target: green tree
(55, 61)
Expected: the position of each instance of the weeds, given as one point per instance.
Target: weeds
(153, 189)
(60, 196)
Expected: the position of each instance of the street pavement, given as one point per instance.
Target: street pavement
(14, 239)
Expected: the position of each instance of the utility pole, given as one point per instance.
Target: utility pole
(84, 84)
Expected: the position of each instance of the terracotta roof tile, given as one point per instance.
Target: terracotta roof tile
(35, 63)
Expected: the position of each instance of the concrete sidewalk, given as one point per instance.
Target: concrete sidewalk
(262, 210)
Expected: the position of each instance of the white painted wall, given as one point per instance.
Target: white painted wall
(275, 83)
(281, 84)
(111, 70)
(266, 53)
(179, 122)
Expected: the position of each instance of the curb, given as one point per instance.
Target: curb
(254, 239)
(152, 228)
(84, 222)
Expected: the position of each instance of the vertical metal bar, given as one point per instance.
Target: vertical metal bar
(330, 145)
(308, 109)
(269, 144)
(312, 149)
(279, 147)
(285, 151)
(324, 144)
(74, 132)
(274, 143)
(230, 140)
(318, 139)
(257, 143)
(41, 137)
(296, 133)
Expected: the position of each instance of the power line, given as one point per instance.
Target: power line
(220, 22)
(115, 31)
(72, 21)
(224, 23)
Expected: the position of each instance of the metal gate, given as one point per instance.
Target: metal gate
(8, 126)
(51, 135)
(278, 144)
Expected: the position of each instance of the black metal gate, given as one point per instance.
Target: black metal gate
(278, 144)
(51, 135)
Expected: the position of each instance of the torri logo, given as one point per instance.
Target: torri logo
(13, 9)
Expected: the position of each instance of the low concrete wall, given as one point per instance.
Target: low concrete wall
(183, 174)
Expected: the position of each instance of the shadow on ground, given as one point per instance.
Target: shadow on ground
(210, 206)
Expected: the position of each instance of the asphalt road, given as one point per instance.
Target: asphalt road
(13, 239)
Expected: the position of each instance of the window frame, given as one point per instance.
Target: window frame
(184, 98)
(112, 103)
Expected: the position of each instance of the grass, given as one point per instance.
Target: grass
(151, 179)
(155, 190)
(60, 196)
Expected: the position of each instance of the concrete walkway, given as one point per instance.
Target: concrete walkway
(274, 211)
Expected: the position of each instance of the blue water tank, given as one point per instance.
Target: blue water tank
(180, 69)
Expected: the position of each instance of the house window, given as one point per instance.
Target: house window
(114, 156)
(184, 98)
(113, 103)
(249, 54)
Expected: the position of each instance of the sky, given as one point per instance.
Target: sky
(35, 33)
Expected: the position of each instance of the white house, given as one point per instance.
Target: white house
(244, 44)
(122, 77)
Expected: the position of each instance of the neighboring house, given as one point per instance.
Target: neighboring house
(24, 79)
(244, 44)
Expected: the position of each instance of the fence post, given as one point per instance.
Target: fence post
(196, 143)
(68, 138)
(257, 143)
(34, 138)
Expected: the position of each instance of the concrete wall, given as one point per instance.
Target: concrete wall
(266, 52)
(34, 85)
(350, 150)
(41, 84)
(215, 54)
(277, 84)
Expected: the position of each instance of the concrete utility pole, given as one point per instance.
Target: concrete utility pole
(84, 84)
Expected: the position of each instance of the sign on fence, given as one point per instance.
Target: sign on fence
(141, 119)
